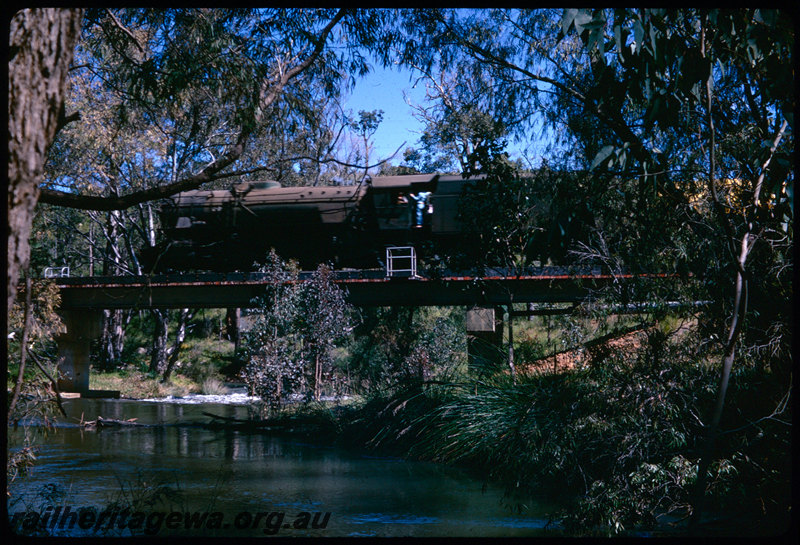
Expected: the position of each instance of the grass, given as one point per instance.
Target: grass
(552, 332)
(140, 385)
(213, 386)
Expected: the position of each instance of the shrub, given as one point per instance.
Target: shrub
(615, 442)
(214, 386)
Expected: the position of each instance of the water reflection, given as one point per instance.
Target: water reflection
(234, 472)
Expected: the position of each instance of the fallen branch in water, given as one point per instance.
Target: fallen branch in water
(109, 422)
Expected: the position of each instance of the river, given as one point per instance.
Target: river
(178, 479)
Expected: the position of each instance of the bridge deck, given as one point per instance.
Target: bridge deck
(362, 287)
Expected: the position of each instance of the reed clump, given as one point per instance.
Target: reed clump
(615, 442)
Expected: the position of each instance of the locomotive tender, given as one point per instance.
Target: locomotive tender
(349, 226)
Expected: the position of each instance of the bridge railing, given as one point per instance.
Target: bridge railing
(401, 261)
(56, 272)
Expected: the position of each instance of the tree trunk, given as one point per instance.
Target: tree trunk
(158, 352)
(23, 346)
(232, 316)
(712, 430)
(91, 249)
(739, 304)
(511, 345)
(41, 46)
(110, 260)
(151, 230)
(176, 348)
(278, 388)
(112, 339)
(317, 377)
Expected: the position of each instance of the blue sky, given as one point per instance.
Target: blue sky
(382, 89)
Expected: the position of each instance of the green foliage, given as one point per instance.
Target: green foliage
(291, 343)
(35, 393)
(396, 347)
(515, 219)
(392, 420)
(166, 93)
(271, 345)
(690, 115)
(463, 116)
(615, 442)
(367, 122)
(677, 117)
(323, 321)
(46, 323)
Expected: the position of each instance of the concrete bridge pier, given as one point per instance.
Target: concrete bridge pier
(73, 348)
(484, 337)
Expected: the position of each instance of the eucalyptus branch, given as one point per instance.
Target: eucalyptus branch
(38, 363)
(712, 186)
(270, 91)
(113, 42)
(764, 167)
(138, 228)
(611, 119)
(780, 408)
(267, 98)
(27, 324)
(340, 162)
(124, 29)
(64, 119)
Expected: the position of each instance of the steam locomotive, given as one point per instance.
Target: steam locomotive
(349, 226)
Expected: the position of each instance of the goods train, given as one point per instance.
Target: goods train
(347, 225)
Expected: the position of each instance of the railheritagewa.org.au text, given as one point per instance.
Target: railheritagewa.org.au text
(65, 519)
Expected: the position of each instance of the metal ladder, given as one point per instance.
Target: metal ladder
(401, 262)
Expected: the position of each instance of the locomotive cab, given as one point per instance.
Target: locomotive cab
(403, 202)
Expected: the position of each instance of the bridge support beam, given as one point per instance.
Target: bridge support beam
(73, 348)
(484, 338)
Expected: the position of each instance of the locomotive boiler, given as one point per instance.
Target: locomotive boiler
(349, 226)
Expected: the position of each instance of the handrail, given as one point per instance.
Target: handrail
(396, 257)
(56, 272)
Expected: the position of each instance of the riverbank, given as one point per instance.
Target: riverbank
(139, 385)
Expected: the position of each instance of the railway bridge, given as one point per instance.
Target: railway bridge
(84, 298)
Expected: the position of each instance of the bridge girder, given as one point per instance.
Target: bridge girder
(241, 291)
